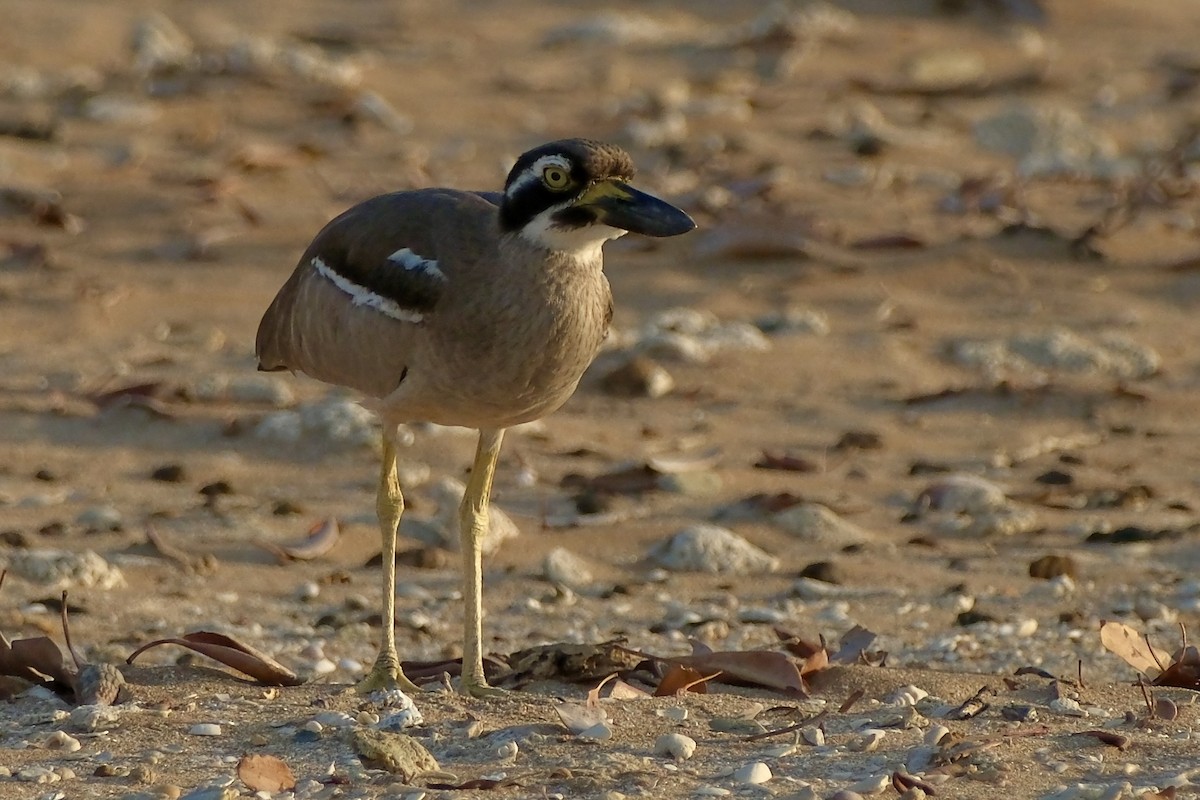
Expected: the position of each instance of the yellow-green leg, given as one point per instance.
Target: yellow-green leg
(473, 518)
(389, 505)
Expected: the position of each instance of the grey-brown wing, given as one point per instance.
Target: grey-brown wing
(355, 306)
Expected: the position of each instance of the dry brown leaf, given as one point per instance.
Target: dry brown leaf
(1127, 644)
(680, 679)
(626, 691)
(766, 668)
(321, 538)
(264, 773)
(231, 653)
(36, 660)
(815, 663)
(593, 698)
(852, 645)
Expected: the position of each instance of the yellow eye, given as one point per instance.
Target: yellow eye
(555, 178)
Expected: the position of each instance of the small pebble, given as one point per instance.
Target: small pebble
(675, 745)
(866, 742)
(813, 735)
(752, 774)
(674, 713)
(60, 740)
(600, 732)
(507, 751)
(205, 729)
(872, 785)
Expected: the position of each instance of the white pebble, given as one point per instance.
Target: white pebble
(59, 740)
(675, 745)
(813, 735)
(867, 741)
(600, 732)
(935, 734)
(324, 667)
(907, 696)
(872, 785)
(507, 750)
(674, 713)
(205, 729)
(1067, 707)
(752, 774)
(711, 791)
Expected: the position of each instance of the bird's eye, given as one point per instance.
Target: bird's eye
(555, 178)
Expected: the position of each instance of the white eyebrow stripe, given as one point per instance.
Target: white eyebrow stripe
(415, 262)
(533, 172)
(362, 296)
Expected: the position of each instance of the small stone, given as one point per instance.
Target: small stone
(563, 567)
(865, 742)
(398, 753)
(60, 568)
(600, 732)
(813, 522)
(872, 785)
(443, 530)
(675, 745)
(752, 774)
(60, 740)
(935, 734)
(169, 473)
(1067, 707)
(93, 718)
(813, 735)
(100, 519)
(708, 548)
(37, 775)
(638, 377)
(824, 571)
(205, 729)
(1048, 567)
(677, 714)
(693, 483)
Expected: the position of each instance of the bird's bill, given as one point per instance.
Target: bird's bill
(619, 205)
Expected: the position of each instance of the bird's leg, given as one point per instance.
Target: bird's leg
(473, 518)
(389, 505)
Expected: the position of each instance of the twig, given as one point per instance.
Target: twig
(67, 633)
(1146, 695)
(789, 729)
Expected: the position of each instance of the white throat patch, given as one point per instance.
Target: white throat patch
(581, 243)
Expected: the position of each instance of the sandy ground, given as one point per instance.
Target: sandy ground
(824, 156)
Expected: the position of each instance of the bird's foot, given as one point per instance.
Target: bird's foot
(385, 676)
(477, 686)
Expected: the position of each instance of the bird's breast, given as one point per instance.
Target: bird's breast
(514, 351)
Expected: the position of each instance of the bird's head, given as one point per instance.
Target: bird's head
(573, 195)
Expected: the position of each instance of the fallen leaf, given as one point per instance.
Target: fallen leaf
(679, 679)
(265, 773)
(766, 668)
(231, 653)
(36, 660)
(626, 691)
(1127, 644)
(593, 697)
(852, 645)
(577, 718)
(321, 538)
